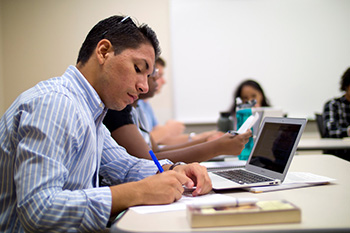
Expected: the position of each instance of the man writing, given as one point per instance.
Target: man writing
(54, 145)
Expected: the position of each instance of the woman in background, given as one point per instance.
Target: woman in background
(251, 95)
(248, 91)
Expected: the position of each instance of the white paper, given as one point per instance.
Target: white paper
(181, 204)
(305, 177)
(295, 180)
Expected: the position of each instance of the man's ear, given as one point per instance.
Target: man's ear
(102, 50)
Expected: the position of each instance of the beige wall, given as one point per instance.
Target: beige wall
(41, 38)
(2, 95)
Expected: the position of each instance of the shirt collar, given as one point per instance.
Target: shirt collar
(93, 100)
(344, 100)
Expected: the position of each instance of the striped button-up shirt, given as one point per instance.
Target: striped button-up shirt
(53, 147)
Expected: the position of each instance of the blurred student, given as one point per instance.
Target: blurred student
(336, 115)
(128, 128)
(248, 91)
(172, 132)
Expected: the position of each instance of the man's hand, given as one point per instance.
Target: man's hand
(199, 175)
(163, 188)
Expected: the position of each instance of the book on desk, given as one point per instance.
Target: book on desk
(263, 212)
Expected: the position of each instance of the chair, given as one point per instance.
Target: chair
(320, 125)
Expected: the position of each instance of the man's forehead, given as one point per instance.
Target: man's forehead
(146, 54)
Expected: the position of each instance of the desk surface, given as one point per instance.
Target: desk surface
(323, 143)
(325, 207)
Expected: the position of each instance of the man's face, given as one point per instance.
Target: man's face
(124, 76)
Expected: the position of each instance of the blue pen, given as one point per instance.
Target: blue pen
(155, 160)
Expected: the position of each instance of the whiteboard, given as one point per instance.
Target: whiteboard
(296, 49)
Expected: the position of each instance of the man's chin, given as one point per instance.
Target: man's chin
(118, 107)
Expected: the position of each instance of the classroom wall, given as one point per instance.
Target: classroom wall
(2, 95)
(296, 49)
(41, 38)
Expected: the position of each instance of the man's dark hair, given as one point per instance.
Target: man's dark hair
(123, 34)
(345, 80)
(160, 61)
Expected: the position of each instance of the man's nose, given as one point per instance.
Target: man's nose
(143, 85)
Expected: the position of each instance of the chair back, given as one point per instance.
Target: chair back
(320, 125)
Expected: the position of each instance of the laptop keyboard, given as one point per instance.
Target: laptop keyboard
(214, 169)
(242, 176)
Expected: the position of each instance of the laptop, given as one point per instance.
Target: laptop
(223, 165)
(270, 158)
(265, 112)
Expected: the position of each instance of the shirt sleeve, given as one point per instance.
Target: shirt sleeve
(50, 196)
(117, 166)
(116, 119)
(335, 126)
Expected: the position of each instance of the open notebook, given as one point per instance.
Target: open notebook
(270, 158)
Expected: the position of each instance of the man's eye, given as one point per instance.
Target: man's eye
(137, 69)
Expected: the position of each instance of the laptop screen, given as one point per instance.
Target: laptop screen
(274, 146)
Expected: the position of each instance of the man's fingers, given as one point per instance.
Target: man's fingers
(184, 180)
(199, 175)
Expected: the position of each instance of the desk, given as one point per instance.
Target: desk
(325, 207)
(324, 144)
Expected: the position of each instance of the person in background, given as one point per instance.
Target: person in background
(251, 95)
(161, 81)
(128, 128)
(336, 116)
(53, 145)
(172, 132)
(249, 90)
